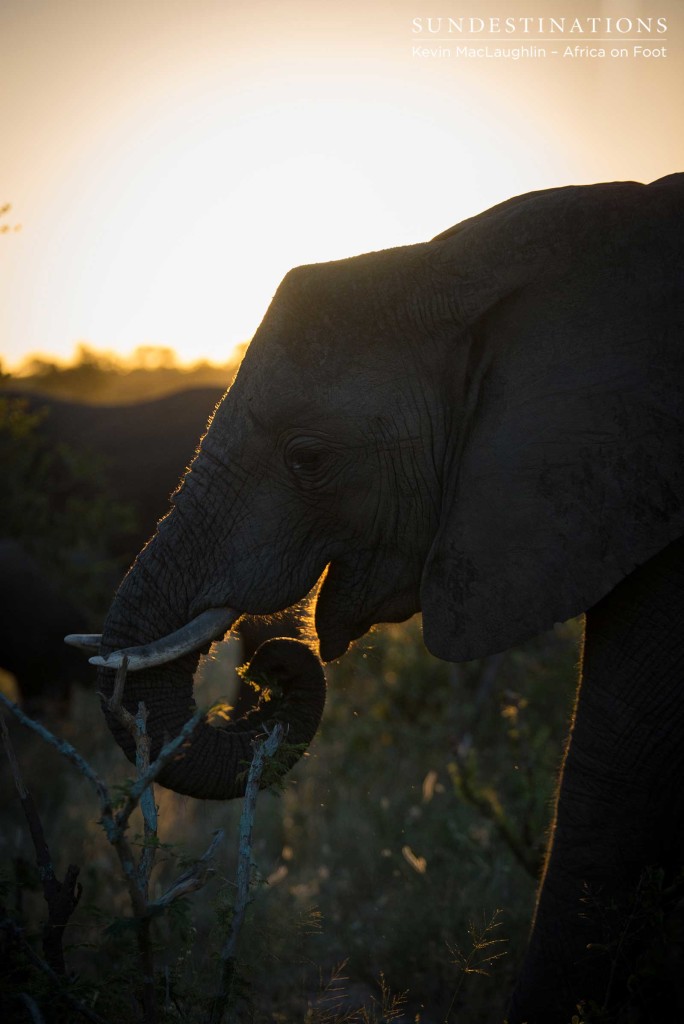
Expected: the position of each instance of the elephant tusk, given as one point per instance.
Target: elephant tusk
(208, 626)
(84, 641)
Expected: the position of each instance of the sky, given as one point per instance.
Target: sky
(169, 160)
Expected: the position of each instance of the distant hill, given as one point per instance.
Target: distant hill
(141, 449)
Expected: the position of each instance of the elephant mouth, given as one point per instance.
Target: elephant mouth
(335, 639)
(336, 642)
(341, 618)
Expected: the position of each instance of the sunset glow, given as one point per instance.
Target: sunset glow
(170, 160)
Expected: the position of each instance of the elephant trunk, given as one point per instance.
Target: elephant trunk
(213, 761)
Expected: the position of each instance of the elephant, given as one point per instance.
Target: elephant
(486, 428)
(141, 450)
(33, 617)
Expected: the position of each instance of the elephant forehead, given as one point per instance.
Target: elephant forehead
(278, 381)
(321, 347)
(338, 311)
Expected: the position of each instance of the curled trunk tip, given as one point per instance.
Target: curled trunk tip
(212, 764)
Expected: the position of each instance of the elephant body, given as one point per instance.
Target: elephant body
(487, 428)
(618, 827)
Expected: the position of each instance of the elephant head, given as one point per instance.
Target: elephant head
(478, 427)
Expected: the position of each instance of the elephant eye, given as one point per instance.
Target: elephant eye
(307, 460)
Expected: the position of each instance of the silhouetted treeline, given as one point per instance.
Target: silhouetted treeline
(104, 377)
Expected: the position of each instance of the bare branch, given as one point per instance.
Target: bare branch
(165, 755)
(263, 749)
(147, 802)
(115, 825)
(61, 897)
(13, 763)
(62, 746)
(192, 879)
(136, 727)
(32, 1007)
(114, 702)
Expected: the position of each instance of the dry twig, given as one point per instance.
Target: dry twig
(115, 825)
(61, 897)
(263, 749)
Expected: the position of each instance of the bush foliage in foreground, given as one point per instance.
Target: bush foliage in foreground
(393, 874)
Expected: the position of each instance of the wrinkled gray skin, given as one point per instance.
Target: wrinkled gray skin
(488, 428)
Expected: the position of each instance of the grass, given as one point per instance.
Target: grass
(384, 869)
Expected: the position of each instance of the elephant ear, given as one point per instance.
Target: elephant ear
(569, 464)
